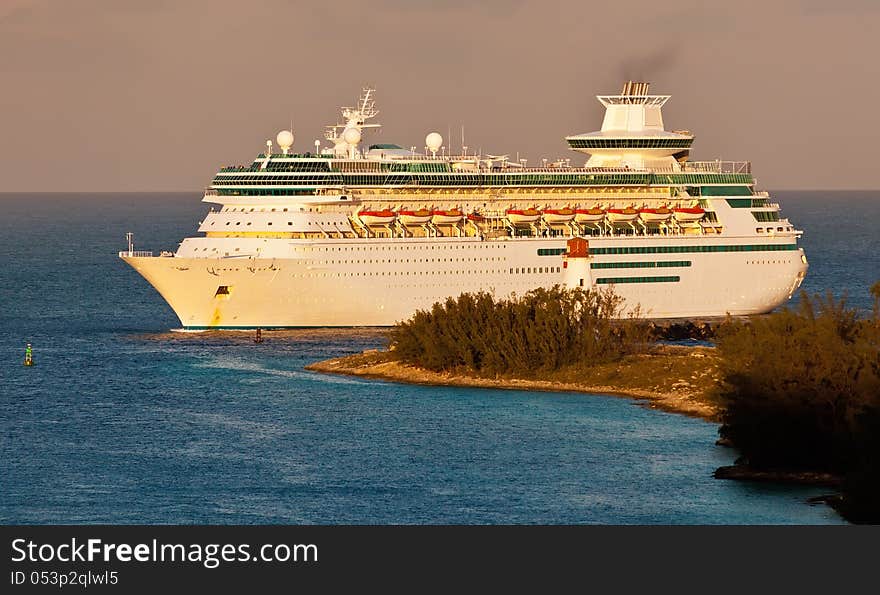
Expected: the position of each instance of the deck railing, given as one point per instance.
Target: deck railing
(135, 253)
(718, 167)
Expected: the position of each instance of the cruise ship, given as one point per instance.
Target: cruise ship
(357, 234)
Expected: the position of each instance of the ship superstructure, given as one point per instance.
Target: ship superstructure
(354, 235)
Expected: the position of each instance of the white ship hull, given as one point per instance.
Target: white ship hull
(379, 282)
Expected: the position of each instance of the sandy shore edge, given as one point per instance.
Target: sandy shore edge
(665, 392)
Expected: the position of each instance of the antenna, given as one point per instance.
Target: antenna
(463, 146)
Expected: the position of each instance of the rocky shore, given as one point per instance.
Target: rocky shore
(671, 378)
(743, 472)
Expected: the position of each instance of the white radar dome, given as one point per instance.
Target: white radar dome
(434, 141)
(285, 139)
(352, 136)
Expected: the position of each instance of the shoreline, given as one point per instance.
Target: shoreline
(667, 379)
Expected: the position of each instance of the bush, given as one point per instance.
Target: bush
(542, 331)
(802, 388)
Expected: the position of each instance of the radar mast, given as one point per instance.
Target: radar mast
(345, 142)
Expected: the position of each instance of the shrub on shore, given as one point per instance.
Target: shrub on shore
(802, 391)
(541, 331)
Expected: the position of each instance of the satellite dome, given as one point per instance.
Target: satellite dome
(352, 136)
(285, 139)
(434, 141)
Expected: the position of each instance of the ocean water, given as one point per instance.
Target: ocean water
(124, 421)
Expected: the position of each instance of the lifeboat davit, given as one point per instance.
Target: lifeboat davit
(476, 218)
(688, 214)
(383, 217)
(419, 217)
(655, 215)
(589, 215)
(558, 215)
(522, 216)
(622, 215)
(450, 217)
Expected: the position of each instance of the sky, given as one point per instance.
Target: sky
(156, 95)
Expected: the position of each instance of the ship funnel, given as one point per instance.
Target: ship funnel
(633, 89)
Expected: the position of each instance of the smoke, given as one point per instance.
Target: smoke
(647, 67)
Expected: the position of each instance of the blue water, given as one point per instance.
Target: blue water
(122, 421)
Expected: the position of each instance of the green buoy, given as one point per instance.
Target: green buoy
(28, 355)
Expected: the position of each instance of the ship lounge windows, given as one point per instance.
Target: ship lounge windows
(693, 248)
(621, 280)
(765, 216)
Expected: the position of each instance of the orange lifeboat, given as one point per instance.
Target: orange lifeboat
(419, 217)
(450, 217)
(383, 217)
(655, 215)
(476, 218)
(593, 215)
(688, 214)
(622, 215)
(523, 216)
(558, 215)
